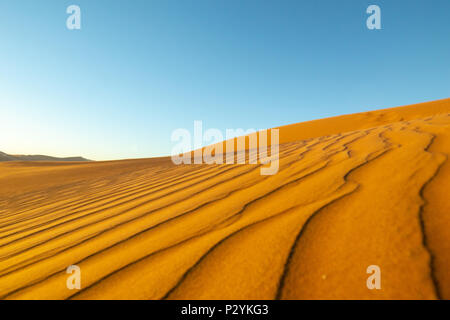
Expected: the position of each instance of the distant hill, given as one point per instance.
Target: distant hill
(37, 157)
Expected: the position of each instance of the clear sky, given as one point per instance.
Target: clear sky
(137, 70)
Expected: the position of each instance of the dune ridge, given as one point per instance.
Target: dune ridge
(351, 191)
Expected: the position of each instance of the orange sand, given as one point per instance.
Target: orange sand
(352, 191)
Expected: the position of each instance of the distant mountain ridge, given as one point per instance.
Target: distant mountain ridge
(37, 157)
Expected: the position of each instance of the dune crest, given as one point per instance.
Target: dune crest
(351, 191)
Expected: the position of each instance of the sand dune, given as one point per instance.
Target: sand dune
(351, 191)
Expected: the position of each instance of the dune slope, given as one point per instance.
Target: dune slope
(351, 191)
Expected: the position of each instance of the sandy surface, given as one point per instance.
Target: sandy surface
(352, 191)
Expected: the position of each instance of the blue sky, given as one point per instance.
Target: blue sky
(137, 70)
